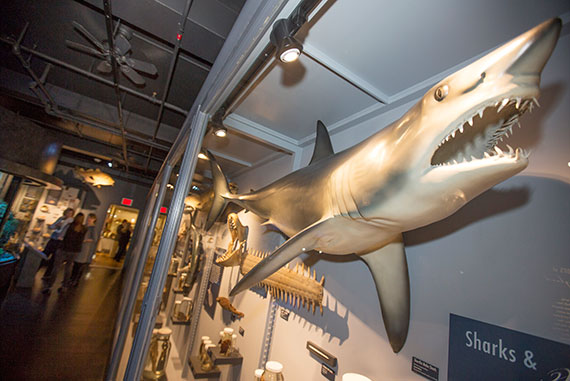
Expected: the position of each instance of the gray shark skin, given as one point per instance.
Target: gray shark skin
(422, 168)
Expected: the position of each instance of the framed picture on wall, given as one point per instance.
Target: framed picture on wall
(53, 196)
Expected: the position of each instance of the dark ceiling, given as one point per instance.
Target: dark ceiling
(155, 25)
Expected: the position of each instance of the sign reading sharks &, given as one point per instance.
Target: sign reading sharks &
(481, 351)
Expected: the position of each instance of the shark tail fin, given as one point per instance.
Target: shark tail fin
(221, 191)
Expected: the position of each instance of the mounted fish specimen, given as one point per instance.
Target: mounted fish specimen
(291, 286)
(95, 177)
(422, 168)
(226, 305)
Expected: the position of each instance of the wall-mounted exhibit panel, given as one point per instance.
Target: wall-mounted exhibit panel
(412, 244)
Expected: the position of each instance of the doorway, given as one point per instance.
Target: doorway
(108, 243)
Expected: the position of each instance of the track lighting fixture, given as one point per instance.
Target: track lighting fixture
(220, 131)
(218, 127)
(288, 48)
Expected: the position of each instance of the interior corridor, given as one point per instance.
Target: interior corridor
(59, 336)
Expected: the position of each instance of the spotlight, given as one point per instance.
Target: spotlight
(288, 48)
(218, 125)
(202, 156)
(220, 131)
(110, 164)
(290, 51)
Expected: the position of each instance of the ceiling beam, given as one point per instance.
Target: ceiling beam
(173, 60)
(198, 63)
(261, 133)
(343, 72)
(231, 158)
(115, 70)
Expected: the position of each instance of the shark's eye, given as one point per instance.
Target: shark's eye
(441, 93)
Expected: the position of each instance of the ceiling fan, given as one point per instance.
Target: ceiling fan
(122, 53)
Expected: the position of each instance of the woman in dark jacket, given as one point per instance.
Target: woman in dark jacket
(70, 246)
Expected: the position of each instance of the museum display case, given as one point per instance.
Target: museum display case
(409, 239)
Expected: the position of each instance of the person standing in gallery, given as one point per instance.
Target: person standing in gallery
(60, 225)
(70, 247)
(123, 236)
(83, 258)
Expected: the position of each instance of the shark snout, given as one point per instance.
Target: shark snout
(536, 46)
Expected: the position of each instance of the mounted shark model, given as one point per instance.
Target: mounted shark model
(422, 168)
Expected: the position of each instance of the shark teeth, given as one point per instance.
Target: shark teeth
(515, 107)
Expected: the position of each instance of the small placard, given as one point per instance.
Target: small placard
(284, 314)
(327, 372)
(425, 369)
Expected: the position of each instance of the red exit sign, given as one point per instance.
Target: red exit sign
(163, 209)
(127, 201)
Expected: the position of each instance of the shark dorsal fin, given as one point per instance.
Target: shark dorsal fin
(323, 146)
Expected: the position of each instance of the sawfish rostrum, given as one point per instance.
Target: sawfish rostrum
(437, 157)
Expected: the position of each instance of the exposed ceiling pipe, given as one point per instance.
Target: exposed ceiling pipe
(179, 35)
(85, 138)
(75, 116)
(115, 70)
(26, 64)
(95, 77)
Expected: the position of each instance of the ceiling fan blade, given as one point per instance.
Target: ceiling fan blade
(84, 49)
(142, 66)
(132, 75)
(122, 45)
(104, 67)
(89, 36)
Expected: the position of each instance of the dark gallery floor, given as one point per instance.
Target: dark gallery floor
(59, 336)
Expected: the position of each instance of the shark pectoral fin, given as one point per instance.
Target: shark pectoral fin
(301, 242)
(389, 269)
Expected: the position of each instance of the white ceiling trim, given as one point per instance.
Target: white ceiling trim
(259, 132)
(343, 72)
(257, 164)
(231, 158)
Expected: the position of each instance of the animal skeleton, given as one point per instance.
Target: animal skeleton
(291, 286)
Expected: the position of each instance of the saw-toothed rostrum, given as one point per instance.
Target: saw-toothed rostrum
(291, 286)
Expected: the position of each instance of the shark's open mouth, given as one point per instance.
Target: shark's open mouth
(477, 138)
